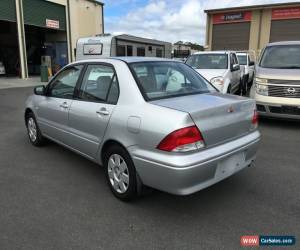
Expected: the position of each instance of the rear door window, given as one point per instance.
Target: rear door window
(99, 84)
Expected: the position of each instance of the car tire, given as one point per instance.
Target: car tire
(245, 85)
(34, 133)
(229, 89)
(121, 173)
(251, 83)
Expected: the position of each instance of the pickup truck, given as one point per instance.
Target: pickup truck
(248, 66)
(220, 68)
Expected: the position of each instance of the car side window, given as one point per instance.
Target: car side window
(235, 60)
(65, 82)
(99, 84)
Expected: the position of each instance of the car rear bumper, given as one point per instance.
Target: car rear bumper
(188, 173)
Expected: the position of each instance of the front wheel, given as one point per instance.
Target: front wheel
(120, 173)
(33, 131)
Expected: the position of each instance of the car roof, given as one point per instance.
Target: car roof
(133, 59)
(284, 43)
(129, 59)
(214, 52)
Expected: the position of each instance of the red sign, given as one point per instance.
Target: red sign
(249, 240)
(233, 17)
(53, 24)
(286, 13)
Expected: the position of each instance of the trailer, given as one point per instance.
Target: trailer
(107, 45)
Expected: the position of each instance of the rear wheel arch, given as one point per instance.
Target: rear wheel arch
(136, 187)
(108, 144)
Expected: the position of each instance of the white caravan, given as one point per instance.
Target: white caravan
(107, 45)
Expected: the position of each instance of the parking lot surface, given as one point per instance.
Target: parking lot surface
(51, 198)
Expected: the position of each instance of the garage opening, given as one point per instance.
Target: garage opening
(45, 34)
(45, 46)
(285, 30)
(9, 49)
(234, 36)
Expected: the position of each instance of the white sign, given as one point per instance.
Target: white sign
(53, 24)
(92, 49)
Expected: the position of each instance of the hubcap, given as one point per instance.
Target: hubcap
(118, 173)
(32, 131)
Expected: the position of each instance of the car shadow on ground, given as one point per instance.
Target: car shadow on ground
(210, 196)
(279, 122)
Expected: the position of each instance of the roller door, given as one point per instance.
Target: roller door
(36, 12)
(233, 36)
(8, 10)
(285, 30)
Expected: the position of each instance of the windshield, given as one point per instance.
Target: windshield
(208, 61)
(159, 80)
(281, 57)
(242, 59)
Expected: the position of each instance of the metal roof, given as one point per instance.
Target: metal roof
(253, 7)
(128, 59)
(96, 2)
(284, 43)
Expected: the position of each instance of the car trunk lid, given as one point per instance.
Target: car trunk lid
(219, 117)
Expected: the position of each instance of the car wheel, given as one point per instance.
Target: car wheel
(244, 85)
(229, 89)
(250, 83)
(33, 131)
(120, 173)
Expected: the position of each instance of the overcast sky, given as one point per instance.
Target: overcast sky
(169, 20)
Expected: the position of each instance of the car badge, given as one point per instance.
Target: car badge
(291, 91)
(230, 110)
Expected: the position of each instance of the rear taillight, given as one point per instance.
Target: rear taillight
(255, 119)
(182, 140)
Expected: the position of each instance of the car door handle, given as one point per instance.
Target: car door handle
(64, 105)
(102, 111)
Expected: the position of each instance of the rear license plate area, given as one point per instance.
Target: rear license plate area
(230, 165)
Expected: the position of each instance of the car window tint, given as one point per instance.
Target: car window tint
(113, 94)
(208, 61)
(96, 83)
(281, 57)
(64, 83)
(242, 59)
(235, 60)
(166, 79)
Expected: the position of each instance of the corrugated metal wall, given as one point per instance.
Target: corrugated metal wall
(234, 36)
(285, 30)
(37, 11)
(8, 10)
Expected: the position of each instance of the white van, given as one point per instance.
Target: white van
(107, 45)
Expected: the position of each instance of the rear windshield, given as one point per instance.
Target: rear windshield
(242, 59)
(208, 61)
(158, 80)
(281, 57)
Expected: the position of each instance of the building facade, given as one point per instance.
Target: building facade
(251, 28)
(35, 30)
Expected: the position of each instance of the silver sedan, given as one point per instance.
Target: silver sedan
(152, 122)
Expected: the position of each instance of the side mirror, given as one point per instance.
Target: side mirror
(235, 67)
(40, 90)
(251, 63)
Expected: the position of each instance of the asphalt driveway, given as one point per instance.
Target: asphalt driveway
(51, 198)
